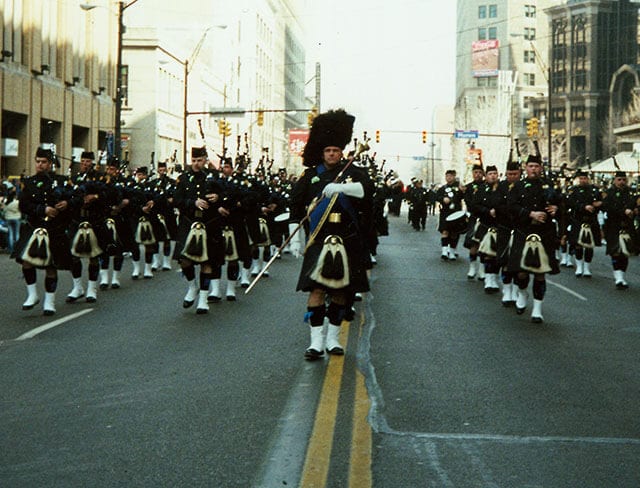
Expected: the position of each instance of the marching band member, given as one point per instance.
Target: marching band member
(583, 203)
(486, 209)
(163, 188)
(44, 244)
(473, 195)
(619, 232)
(88, 228)
(533, 203)
(450, 197)
(117, 197)
(505, 227)
(199, 239)
(336, 257)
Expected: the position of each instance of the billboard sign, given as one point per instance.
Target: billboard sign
(297, 140)
(485, 58)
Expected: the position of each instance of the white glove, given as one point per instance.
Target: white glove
(296, 242)
(353, 189)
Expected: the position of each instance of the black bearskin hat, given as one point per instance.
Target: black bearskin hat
(511, 164)
(44, 153)
(535, 158)
(332, 128)
(88, 155)
(198, 152)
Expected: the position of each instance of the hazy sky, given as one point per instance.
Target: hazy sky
(387, 62)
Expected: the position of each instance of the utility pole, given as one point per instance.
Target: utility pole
(318, 87)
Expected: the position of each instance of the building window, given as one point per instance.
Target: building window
(493, 11)
(530, 11)
(482, 34)
(529, 79)
(526, 102)
(580, 79)
(578, 113)
(493, 32)
(558, 115)
(529, 56)
(490, 82)
(529, 33)
(482, 12)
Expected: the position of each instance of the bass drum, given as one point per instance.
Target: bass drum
(457, 222)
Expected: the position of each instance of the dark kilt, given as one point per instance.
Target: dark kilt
(612, 230)
(358, 259)
(172, 225)
(502, 244)
(574, 232)
(215, 244)
(59, 245)
(105, 239)
(549, 242)
(472, 237)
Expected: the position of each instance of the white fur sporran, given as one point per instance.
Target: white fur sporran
(85, 243)
(37, 251)
(113, 230)
(476, 228)
(489, 243)
(229, 242)
(265, 238)
(534, 257)
(624, 241)
(163, 223)
(332, 267)
(585, 237)
(144, 232)
(195, 245)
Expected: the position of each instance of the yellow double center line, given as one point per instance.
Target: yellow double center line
(318, 458)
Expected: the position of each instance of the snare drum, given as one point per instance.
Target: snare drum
(457, 221)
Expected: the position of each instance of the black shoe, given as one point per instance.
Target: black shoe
(202, 311)
(231, 298)
(187, 303)
(73, 299)
(115, 286)
(336, 351)
(520, 311)
(91, 299)
(313, 354)
(29, 307)
(104, 286)
(213, 299)
(350, 314)
(536, 320)
(48, 313)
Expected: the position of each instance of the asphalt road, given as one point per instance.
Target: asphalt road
(460, 392)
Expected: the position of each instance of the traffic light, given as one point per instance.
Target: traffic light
(224, 128)
(377, 136)
(532, 126)
(424, 137)
(260, 121)
(312, 115)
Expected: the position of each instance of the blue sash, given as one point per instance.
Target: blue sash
(323, 203)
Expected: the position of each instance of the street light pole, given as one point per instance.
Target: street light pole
(117, 136)
(185, 113)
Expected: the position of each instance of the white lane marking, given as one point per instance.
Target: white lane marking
(568, 290)
(51, 325)
(517, 439)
